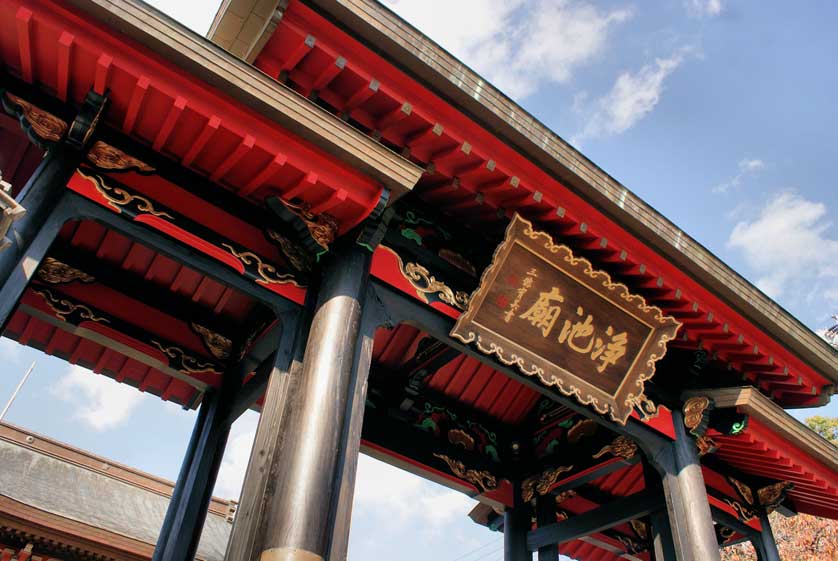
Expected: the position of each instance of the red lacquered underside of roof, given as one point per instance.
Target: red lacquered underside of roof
(176, 114)
(476, 178)
(463, 379)
(761, 452)
(139, 262)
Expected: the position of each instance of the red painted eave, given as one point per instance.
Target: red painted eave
(67, 54)
(477, 178)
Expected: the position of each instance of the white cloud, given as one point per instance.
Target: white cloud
(747, 167)
(10, 351)
(705, 8)
(633, 96)
(388, 494)
(100, 402)
(790, 249)
(517, 46)
(236, 456)
(398, 498)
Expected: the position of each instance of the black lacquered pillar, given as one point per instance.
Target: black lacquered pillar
(686, 499)
(765, 544)
(300, 513)
(517, 523)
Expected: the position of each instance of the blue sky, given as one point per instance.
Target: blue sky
(719, 113)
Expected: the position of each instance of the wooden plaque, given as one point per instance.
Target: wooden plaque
(554, 316)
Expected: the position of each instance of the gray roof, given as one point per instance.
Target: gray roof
(78, 493)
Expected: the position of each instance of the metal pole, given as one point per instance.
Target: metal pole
(300, 516)
(17, 390)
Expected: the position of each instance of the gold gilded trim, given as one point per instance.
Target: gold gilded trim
(221, 347)
(541, 483)
(322, 227)
(53, 271)
(694, 409)
(187, 363)
(267, 273)
(105, 156)
(119, 197)
(581, 429)
(44, 124)
(706, 445)
(631, 391)
(620, 447)
(479, 478)
(771, 496)
(63, 307)
(292, 251)
(462, 438)
(744, 513)
(424, 283)
(743, 490)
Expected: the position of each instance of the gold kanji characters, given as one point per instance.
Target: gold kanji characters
(544, 313)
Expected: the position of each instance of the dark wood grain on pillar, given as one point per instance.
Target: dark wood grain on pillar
(300, 515)
(370, 320)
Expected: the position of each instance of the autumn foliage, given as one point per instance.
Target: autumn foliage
(799, 538)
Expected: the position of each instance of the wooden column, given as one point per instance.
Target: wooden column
(660, 531)
(371, 318)
(686, 498)
(764, 543)
(247, 532)
(32, 234)
(187, 510)
(301, 502)
(517, 523)
(544, 516)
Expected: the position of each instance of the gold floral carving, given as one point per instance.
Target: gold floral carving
(631, 394)
(119, 197)
(187, 363)
(541, 483)
(694, 409)
(646, 407)
(461, 437)
(218, 345)
(620, 447)
(322, 227)
(706, 445)
(743, 490)
(581, 429)
(565, 495)
(771, 496)
(105, 156)
(53, 271)
(632, 546)
(640, 528)
(292, 251)
(424, 282)
(44, 124)
(63, 307)
(726, 533)
(744, 513)
(267, 273)
(482, 479)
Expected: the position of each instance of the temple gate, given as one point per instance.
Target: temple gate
(326, 217)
